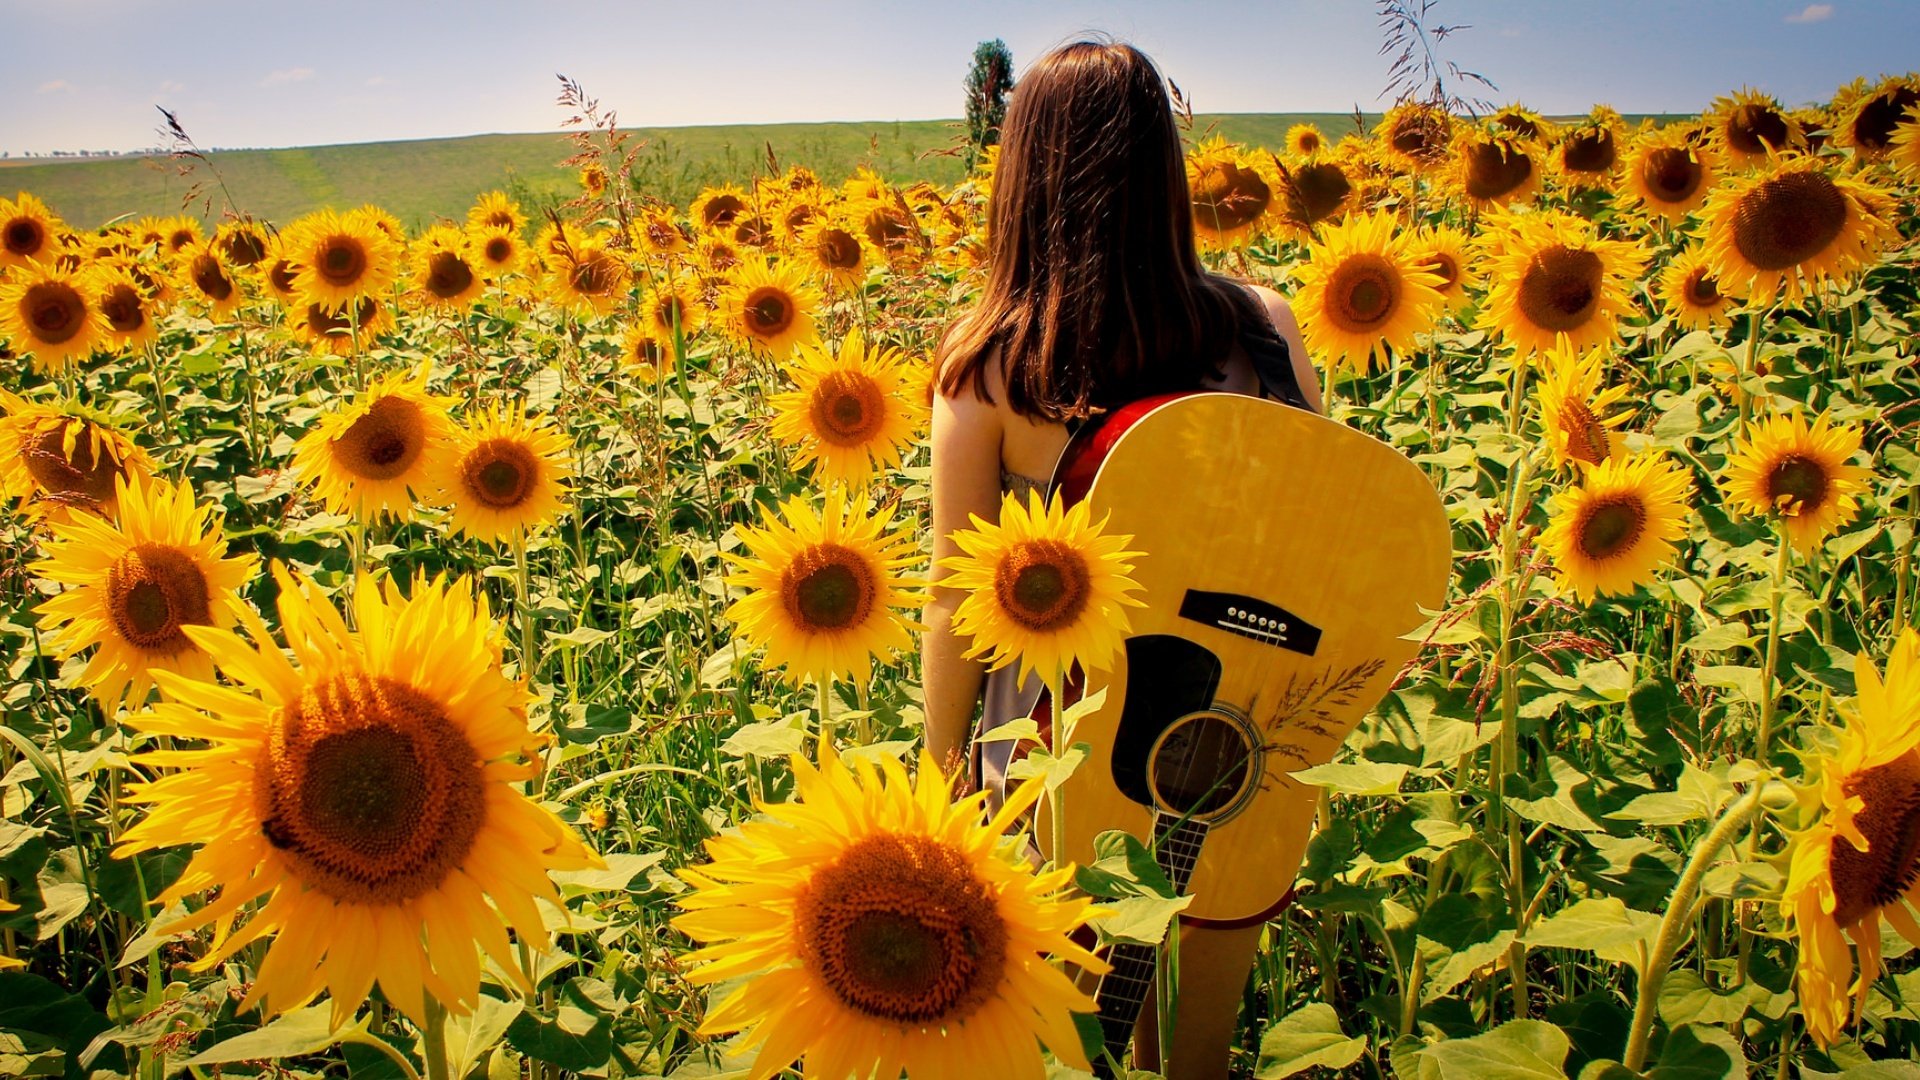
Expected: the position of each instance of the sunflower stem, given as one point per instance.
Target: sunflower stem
(523, 610)
(1768, 706)
(1679, 916)
(159, 388)
(433, 1040)
(826, 737)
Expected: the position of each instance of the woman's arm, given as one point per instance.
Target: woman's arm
(1281, 313)
(966, 482)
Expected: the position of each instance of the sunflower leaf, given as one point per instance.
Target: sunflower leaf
(1304, 1039)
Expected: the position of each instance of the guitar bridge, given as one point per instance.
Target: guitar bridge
(1251, 617)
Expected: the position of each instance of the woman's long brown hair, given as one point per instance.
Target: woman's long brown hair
(1095, 295)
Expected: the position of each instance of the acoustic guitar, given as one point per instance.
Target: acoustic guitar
(1284, 558)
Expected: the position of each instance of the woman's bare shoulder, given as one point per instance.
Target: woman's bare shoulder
(1276, 306)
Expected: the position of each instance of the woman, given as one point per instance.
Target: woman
(1095, 297)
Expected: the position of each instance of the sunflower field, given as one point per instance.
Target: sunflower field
(491, 651)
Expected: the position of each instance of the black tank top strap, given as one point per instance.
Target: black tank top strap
(1273, 364)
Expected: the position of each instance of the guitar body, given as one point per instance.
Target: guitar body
(1285, 555)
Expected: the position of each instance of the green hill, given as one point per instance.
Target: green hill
(421, 180)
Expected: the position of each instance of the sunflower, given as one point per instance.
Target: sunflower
(364, 782)
(363, 459)
(1232, 192)
(497, 252)
(588, 277)
(1494, 167)
(1305, 140)
(1045, 586)
(1554, 281)
(1870, 119)
(206, 276)
(53, 313)
(655, 232)
(1903, 146)
(832, 247)
(1795, 225)
(1361, 293)
(669, 306)
(1690, 293)
(884, 928)
(57, 459)
(444, 274)
(718, 256)
(1588, 151)
(1666, 174)
(552, 243)
(1526, 123)
(854, 412)
(342, 257)
(593, 179)
(496, 210)
(715, 208)
(1415, 135)
(751, 230)
(644, 354)
(1783, 465)
(825, 592)
(1574, 411)
(891, 229)
(1441, 250)
(1857, 863)
(280, 272)
(1311, 193)
(1609, 534)
(125, 306)
(29, 232)
(244, 242)
(797, 215)
(180, 233)
(505, 476)
(1749, 127)
(769, 306)
(132, 585)
(324, 330)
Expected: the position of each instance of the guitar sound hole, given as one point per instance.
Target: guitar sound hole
(1201, 765)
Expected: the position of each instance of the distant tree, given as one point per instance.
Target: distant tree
(987, 85)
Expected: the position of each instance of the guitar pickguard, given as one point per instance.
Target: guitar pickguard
(1177, 677)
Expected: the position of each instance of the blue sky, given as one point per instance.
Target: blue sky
(87, 73)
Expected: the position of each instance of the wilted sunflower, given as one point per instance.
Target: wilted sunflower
(1045, 587)
(125, 306)
(655, 232)
(444, 274)
(769, 306)
(363, 459)
(1552, 280)
(1305, 140)
(588, 277)
(51, 312)
(1609, 534)
(28, 231)
(134, 584)
(715, 208)
(1361, 293)
(1793, 226)
(1574, 411)
(506, 475)
(1690, 294)
(244, 242)
(1441, 250)
(365, 782)
(1784, 466)
(1416, 135)
(644, 354)
(324, 330)
(825, 587)
(205, 275)
(832, 248)
(342, 257)
(884, 928)
(1869, 120)
(1667, 174)
(497, 252)
(1749, 127)
(1493, 167)
(1232, 192)
(854, 412)
(666, 307)
(1857, 863)
(57, 460)
(495, 210)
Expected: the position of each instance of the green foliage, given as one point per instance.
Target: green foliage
(987, 84)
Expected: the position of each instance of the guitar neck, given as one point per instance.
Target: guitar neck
(1176, 849)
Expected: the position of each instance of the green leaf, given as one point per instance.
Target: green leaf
(1055, 770)
(579, 1035)
(303, 1031)
(1699, 1052)
(1304, 1039)
(620, 869)
(1013, 731)
(31, 1006)
(582, 724)
(1605, 927)
(1685, 998)
(470, 1037)
(773, 738)
(1516, 1050)
(1141, 920)
(1356, 777)
(1549, 798)
(1122, 866)
(1461, 964)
